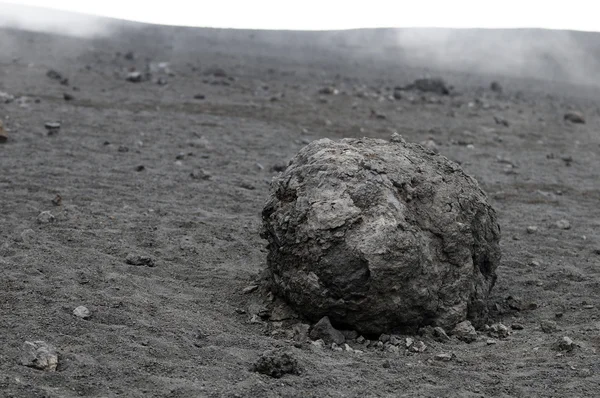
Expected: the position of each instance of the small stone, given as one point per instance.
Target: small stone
(532, 229)
(563, 224)
(45, 217)
(409, 342)
(574, 117)
(140, 168)
(123, 149)
(384, 338)
(3, 134)
(200, 175)
(501, 121)
(517, 326)
(329, 91)
(566, 344)
(395, 340)
(134, 77)
(496, 87)
(140, 260)
(588, 307)
(444, 357)
(52, 127)
(514, 303)
(491, 341)
(318, 344)
(392, 349)
(249, 289)
(419, 346)
(360, 340)
(548, 326)
(499, 330)
(81, 312)
(465, 331)
(440, 334)
(276, 364)
(386, 364)
(534, 263)
(68, 97)
(199, 96)
(325, 331)
(39, 355)
(57, 201)
(336, 347)
(348, 348)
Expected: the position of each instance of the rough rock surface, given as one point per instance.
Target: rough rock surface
(379, 235)
(276, 364)
(39, 355)
(323, 330)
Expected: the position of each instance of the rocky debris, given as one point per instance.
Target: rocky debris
(216, 72)
(123, 149)
(135, 77)
(566, 344)
(377, 115)
(68, 97)
(491, 341)
(397, 94)
(81, 312)
(249, 289)
(139, 168)
(200, 175)
(329, 91)
(498, 330)
(336, 347)
(140, 260)
(501, 121)
(445, 357)
(199, 96)
(465, 331)
(45, 217)
(54, 75)
(534, 263)
(39, 355)
(276, 363)
(514, 303)
(496, 87)
(384, 338)
(3, 134)
(319, 344)
(418, 346)
(574, 117)
(430, 85)
(323, 330)
(532, 229)
(52, 127)
(517, 326)
(345, 208)
(350, 334)
(548, 326)
(129, 56)
(563, 224)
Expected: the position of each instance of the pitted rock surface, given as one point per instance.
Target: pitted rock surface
(379, 235)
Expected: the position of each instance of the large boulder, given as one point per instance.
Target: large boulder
(380, 235)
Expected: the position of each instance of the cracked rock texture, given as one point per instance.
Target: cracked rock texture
(380, 235)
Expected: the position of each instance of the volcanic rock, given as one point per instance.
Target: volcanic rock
(276, 364)
(574, 117)
(377, 235)
(430, 85)
(496, 87)
(465, 331)
(325, 331)
(39, 355)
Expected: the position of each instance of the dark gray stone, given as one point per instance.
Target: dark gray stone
(377, 235)
(276, 364)
(325, 331)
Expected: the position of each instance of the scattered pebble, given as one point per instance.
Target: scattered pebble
(498, 330)
(465, 331)
(534, 263)
(81, 312)
(39, 355)
(6, 97)
(419, 346)
(532, 229)
(136, 259)
(329, 91)
(491, 341)
(440, 334)
(496, 87)
(57, 201)
(276, 364)
(574, 117)
(444, 357)
(501, 121)
(199, 96)
(517, 326)
(140, 168)
(134, 77)
(249, 289)
(563, 224)
(300, 332)
(123, 149)
(52, 127)
(68, 97)
(54, 75)
(200, 175)
(45, 217)
(384, 338)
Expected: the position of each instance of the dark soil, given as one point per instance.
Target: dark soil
(210, 138)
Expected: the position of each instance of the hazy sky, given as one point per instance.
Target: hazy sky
(338, 14)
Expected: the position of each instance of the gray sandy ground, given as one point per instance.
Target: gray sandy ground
(172, 330)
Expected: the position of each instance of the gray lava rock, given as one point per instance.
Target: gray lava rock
(136, 259)
(496, 87)
(276, 364)
(574, 117)
(465, 331)
(45, 217)
(548, 326)
(81, 312)
(430, 85)
(377, 235)
(39, 355)
(325, 331)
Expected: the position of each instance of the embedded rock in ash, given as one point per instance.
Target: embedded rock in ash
(379, 235)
